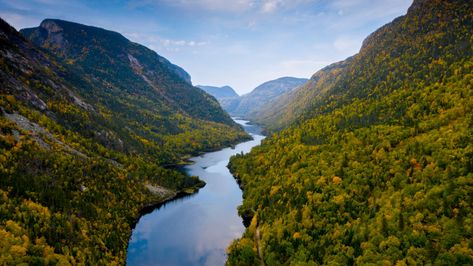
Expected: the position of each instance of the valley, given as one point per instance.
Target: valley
(198, 227)
(258, 99)
(110, 155)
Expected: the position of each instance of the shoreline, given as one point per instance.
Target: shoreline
(178, 166)
(189, 191)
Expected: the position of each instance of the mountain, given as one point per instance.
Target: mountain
(373, 164)
(225, 95)
(337, 77)
(250, 104)
(89, 124)
(264, 94)
(289, 106)
(134, 84)
(219, 92)
(113, 64)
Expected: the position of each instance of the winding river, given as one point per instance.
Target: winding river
(196, 229)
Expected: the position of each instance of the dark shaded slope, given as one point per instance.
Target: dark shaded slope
(110, 62)
(138, 93)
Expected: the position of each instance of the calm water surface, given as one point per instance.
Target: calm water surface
(195, 230)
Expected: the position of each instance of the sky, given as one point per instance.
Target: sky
(240, 43)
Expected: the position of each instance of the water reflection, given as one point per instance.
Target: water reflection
(195, 230)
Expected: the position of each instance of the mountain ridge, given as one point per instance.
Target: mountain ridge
(51, 26)
(353, 68)
(109, 53)
(219, 92)
(281, 112)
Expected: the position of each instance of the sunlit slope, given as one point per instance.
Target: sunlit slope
(409, 52)
(378, 168)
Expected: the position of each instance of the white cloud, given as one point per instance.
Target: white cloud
(159, 44)
(167, 42)
(343, 4)
(270, 5)
(236, 42)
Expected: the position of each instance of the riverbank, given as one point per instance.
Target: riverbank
(207, 220)
(169, 194)
(186, 159)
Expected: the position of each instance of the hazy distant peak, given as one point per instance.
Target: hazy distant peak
(280, 85)
(219, 92)
(265, 93)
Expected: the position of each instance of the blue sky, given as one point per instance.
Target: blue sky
(241, 43)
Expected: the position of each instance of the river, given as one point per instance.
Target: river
(196, 229)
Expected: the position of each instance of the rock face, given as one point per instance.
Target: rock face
(113, 63)
(55, 35)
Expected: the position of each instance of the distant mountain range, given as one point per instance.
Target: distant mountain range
(226, 96)
(219, 92)
(249, 104)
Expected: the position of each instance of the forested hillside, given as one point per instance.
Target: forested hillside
(397, 55)
(291, 105)
(134, 85)
(378, 167)
(83, 143)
